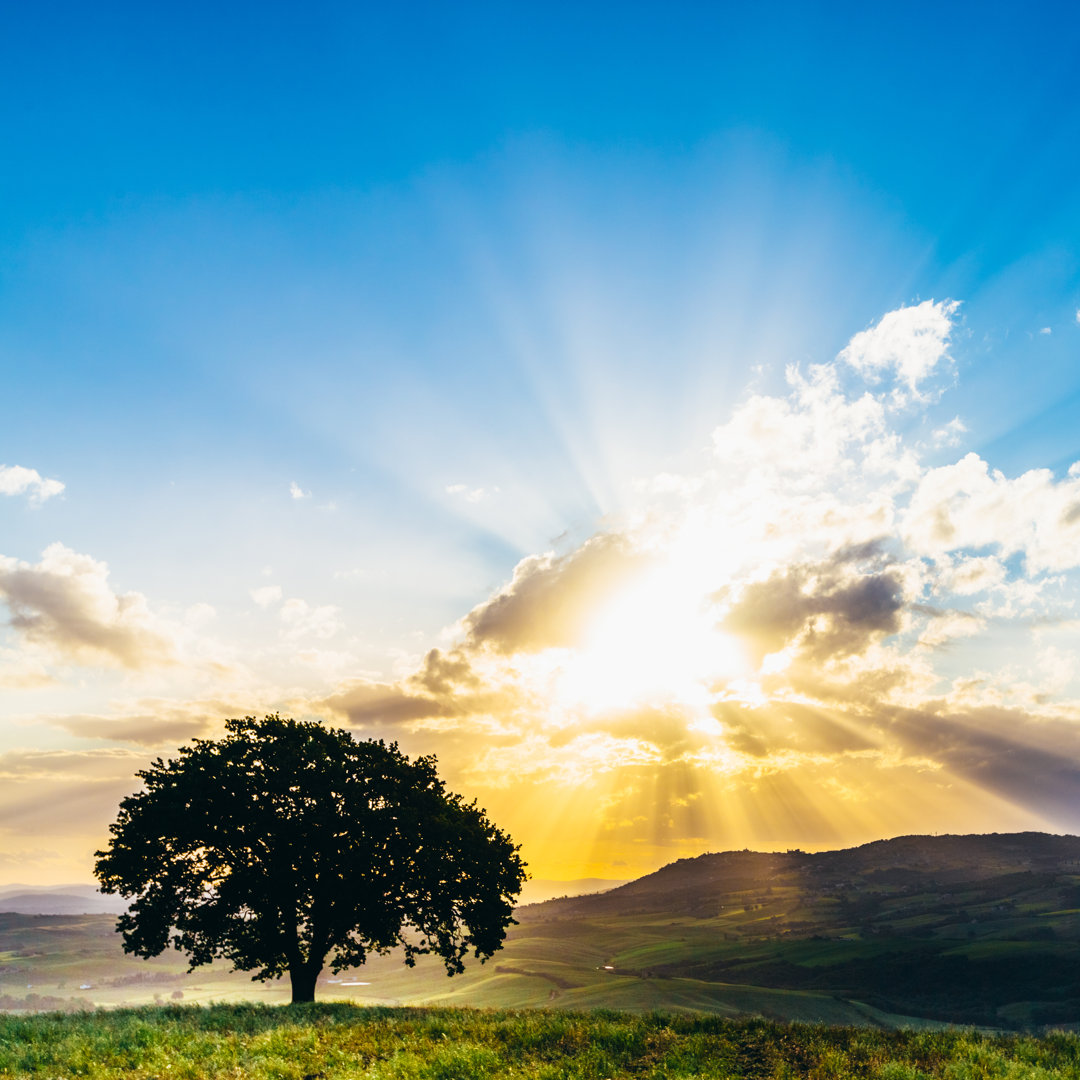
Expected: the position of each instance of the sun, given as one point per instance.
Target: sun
(655, 642)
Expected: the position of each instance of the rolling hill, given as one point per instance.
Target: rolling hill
(981, 929)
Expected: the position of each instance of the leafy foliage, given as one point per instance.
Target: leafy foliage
(285, 843)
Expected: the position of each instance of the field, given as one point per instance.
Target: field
(918, 932)
(342, 1042)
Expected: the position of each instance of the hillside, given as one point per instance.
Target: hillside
(921, 929)
(980, 929)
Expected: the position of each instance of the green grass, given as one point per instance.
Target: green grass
(344, 1042)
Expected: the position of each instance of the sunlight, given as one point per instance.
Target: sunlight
(655, 642)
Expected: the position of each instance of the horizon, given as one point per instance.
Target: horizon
(592, 885)
(667, 419)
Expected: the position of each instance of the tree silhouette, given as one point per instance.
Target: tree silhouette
(286, 843)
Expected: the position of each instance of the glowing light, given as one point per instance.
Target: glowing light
(655, 643)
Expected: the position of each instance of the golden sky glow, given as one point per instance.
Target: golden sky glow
(835, 625)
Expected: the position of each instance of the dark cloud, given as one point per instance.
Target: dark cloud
(1027, 760)
(764, 730)
(446, 673)
(365, 703)
(831, 608)
(549, 600)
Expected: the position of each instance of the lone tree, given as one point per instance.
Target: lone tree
(286, 843)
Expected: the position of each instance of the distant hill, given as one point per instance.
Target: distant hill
(537, 890)
(981, 929)
(699, 886)
(972, 929)
(58, 900)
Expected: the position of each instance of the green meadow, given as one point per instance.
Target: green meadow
(343, 1042)
(915, 933)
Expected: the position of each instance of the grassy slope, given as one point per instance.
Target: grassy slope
(982, 930)
(339, 1042)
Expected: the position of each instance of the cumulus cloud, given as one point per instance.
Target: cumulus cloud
(951, 433)
(18, 480)
(267, 595)
(297, 492)
(548, 602)
(300, 619)
(813, 637)
(829, 609)
(969, 506)
(65, 606)
(910, 343)
(772, 638)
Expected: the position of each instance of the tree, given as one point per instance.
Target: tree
(286, 843)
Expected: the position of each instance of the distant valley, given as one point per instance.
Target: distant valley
(981, 929)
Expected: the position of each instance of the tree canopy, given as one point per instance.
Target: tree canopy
(286, 844)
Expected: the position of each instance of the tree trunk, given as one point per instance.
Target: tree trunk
(303, 982)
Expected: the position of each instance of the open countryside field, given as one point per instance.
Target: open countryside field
(341, 1042)
(920, 931)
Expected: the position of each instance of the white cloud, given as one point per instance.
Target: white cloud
(65, 605)
(809, 434)
(301, 619)
(971, 575)
(969, 506)
(199, 615)
(471, 495)
(951, 433)
(910, 342)
(1046, 330)
(18, 480)
(266, 595)
(812, 608)
(297, 492)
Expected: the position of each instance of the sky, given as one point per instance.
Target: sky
(664, 414)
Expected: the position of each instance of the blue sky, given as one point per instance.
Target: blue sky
(371, 305)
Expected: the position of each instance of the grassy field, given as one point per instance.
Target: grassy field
(73, 962)
(341, 1042)
(975, 931)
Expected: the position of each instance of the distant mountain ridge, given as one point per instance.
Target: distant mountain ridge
(966, 929)
(695, 886)
(58, 900)
(978, 928)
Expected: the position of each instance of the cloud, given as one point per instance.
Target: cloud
(825, 610)
(910, 343)
(267, 595)
(18, 480)
(365, 702)
(471, 495)
(810, 637)
(768, 640)
(65, 606)
(967, 506)
(550, 597)
(951, 433)
(159, 722)
(66, 796)
(302, 620)
(297, 492)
